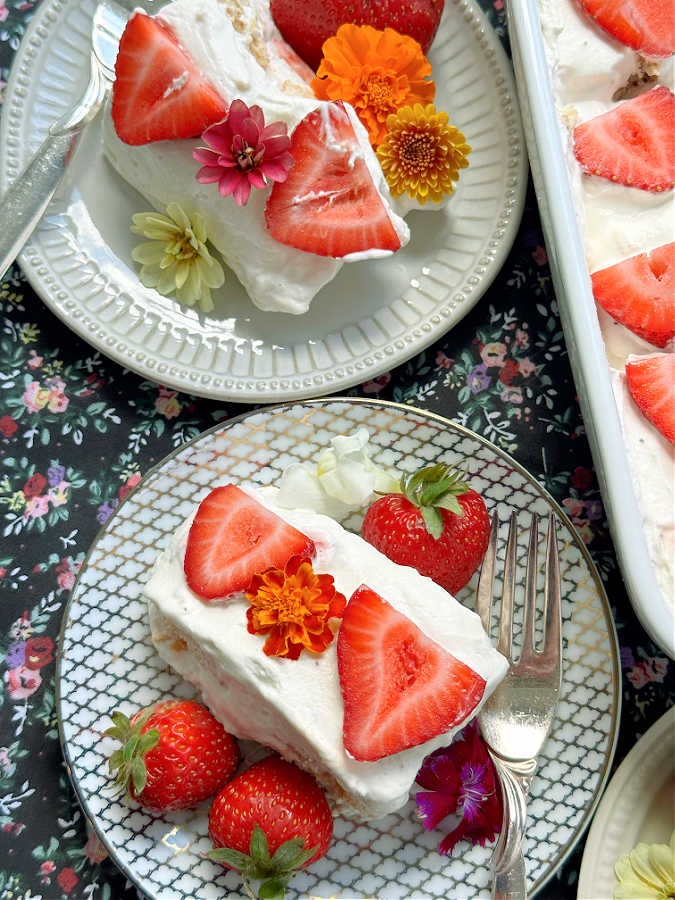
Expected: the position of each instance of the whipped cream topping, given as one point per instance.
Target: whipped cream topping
(652, 461)
(295, 706)
(589, 72)
(235, 44)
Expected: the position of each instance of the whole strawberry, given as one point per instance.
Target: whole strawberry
(437, 524)
(306, 24)
(268, 822)
(173, 755)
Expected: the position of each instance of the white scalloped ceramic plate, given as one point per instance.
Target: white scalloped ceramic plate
(373, 316)
(107, 660)
(638, 805)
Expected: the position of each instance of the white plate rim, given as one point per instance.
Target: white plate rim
(627, 791)
(378, 357)
(580, 323)
(405, 408)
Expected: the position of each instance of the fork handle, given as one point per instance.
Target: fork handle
(508, 864)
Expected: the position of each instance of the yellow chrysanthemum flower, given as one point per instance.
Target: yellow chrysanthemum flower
(648, 871)
(176, 258)
(422, 153)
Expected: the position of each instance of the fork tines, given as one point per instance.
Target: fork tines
(485, 591)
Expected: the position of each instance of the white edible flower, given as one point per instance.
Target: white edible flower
(647, 872)
(176, 258)
(343, 479)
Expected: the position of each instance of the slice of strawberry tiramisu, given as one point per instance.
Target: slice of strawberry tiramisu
(304, 637)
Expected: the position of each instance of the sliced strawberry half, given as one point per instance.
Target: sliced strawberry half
(647, 26)
(158, 93)
(399, 687)
(329, 204)
(232, 538)
(640, 293)
(633, 144)
(651, 381)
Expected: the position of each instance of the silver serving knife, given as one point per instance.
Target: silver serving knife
(24, 204)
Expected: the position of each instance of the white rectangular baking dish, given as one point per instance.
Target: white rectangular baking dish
(579, 319)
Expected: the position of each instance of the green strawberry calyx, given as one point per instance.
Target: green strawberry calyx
(432, 489)
(127, 762)
(273, 871)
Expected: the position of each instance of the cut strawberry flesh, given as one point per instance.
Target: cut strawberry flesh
(232, 538)
(158, 93)
(647, 26)
(633, 144)
(651, 381)
(640, 293)
(329, 204)
(399, 687)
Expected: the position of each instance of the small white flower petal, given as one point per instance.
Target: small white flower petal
(175, 210)
(149, 276)
(183, 272)
(211, 272)
(342, 481)
(167, 281)
(148, 253)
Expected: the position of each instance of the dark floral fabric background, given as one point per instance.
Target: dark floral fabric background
(77, 432)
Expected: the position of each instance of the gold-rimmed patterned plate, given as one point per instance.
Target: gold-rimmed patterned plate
(107, 661)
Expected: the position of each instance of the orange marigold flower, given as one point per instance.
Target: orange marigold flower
(376, 71)
(292, 606)
(422, 154)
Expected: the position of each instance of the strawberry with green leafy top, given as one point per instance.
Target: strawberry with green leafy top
(437, 524)
(268, 822)
(173, 755)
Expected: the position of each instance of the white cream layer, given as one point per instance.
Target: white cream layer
(295, 706)
(652, 461)
(234, 44)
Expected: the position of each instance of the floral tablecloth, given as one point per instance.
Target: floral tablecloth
(77, 432)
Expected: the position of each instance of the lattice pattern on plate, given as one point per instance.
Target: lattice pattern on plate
(107, 661)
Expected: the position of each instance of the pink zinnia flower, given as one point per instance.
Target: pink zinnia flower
(461, 781)
(246, 153)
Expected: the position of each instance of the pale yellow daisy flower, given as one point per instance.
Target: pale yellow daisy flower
(175, 258)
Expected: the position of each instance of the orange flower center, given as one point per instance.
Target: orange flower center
(292, 607)
(417, 151)
(379, 91)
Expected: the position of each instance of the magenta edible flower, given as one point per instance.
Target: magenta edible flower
(460, 780)
(246, 153)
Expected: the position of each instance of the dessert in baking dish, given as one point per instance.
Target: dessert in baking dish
(612, 75)
(384, 667)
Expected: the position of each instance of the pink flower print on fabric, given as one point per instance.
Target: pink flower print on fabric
(36, 507)
(493, 354)
(652, 669)
(35, 397)
(245, 153)
(22, 682)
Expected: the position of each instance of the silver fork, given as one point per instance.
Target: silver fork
(517, 717)
(24, 204)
